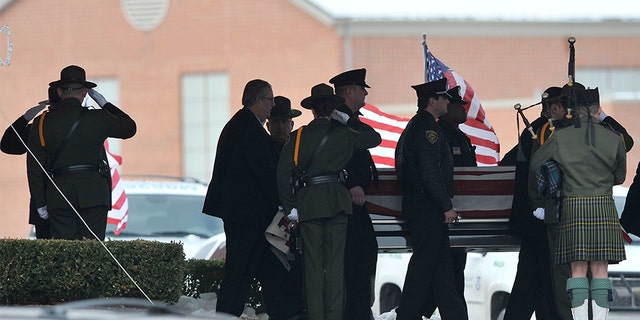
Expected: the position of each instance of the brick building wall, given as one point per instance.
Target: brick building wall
(281, 41)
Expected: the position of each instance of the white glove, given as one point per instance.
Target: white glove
(340, 116)
(97, 97)
(33, 111)
(293, 215)
(43, 213)
(539, 213)
(602, 115)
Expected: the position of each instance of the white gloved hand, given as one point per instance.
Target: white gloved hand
(33, 111)
(539, 213)
(340, 116)
(602, 115)
(293, 215)
(43, 212)
(97, 97)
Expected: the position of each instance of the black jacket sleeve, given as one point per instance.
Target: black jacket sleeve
(10, 143)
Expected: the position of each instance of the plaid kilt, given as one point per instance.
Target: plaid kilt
(589, 230)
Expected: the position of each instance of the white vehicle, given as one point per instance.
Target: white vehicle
(489, 277)
(170, 210)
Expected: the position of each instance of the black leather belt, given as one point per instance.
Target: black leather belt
(322, 179)
(75, 169)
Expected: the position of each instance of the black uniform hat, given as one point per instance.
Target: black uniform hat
(591, 97)
(282, 109)
(455, 96)
(430, 89)
(318, 92)
(351, 77)
(72, 75)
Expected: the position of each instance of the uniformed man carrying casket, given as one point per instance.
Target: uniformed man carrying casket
(424, 166)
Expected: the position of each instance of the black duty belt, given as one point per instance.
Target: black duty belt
(340, 177)
(322, 179)
(75, 169)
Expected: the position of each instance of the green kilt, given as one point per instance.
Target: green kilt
(589, 230)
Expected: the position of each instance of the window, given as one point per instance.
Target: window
(614, 84)
(205, 111)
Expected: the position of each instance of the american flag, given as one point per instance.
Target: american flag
(119, 212)
(477, 126)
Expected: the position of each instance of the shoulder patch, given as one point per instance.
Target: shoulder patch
(432, 136)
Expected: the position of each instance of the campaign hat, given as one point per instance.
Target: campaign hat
(282, 109)
(351, 77)
(318, 92)
(71, 75)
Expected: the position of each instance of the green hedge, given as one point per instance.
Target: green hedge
(57, 271)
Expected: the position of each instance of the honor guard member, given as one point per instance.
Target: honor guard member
(361, 253)
(13, 144)
(464, 155)
(280, 123)
(311, 182)
(424, 166)
(69, 143)
(532, 289)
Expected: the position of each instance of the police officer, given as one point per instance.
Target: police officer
(361, 253)
(69, 142)
(464, 155)
(13, 144)
(424, 166)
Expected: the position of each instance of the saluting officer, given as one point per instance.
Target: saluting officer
(69, 142)
(424, 166)
(361, 253)
(12, 143)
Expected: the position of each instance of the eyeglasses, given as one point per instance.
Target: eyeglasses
(268, 99)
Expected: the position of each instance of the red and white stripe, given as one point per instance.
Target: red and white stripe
(119, 212)
(390, 128)
(477, 126)
(479, 192)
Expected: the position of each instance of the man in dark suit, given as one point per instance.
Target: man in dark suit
(361, 252)
(244, 194)
(69, 143)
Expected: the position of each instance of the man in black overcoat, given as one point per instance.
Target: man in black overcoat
(243, 192)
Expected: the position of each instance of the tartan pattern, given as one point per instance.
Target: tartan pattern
(549, 178)
(589, 230)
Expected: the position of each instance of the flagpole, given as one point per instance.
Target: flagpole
(426, 62)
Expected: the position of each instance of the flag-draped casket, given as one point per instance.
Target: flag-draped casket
(479, 192)
(482, 198)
